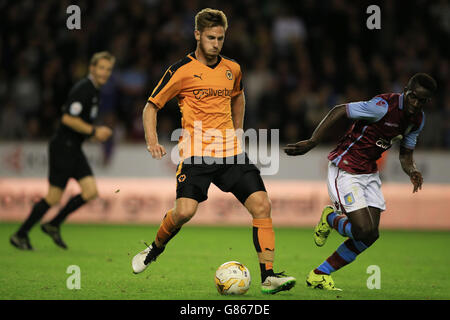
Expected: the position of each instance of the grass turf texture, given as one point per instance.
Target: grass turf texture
(414, 265)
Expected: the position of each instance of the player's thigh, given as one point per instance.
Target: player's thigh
(54, 195)
(88, 188)
(360, 218)
(83, 171)
(374, 195)
(365, 222)
(185, 209)
(241, 179)
(61, 164)
(375, 214)
(193, 180)
(346, 191)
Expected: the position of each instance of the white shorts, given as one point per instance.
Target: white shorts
(350, 192)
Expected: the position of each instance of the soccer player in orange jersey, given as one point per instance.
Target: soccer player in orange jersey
(209, 91)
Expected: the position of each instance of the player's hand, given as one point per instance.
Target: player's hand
(299, 148)
(416, 180)
(102, 133)
(157, 150)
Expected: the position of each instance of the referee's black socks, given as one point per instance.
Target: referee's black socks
(73, 204)
(38, 211)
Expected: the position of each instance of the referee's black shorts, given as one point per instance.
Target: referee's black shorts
(233, 174)
(66, 160)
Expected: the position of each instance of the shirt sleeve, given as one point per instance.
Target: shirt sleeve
(77, 102)
(410, 139)
(238, 87)
(168, 87)
(372, 110)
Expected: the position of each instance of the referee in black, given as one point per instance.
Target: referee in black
(66, 157)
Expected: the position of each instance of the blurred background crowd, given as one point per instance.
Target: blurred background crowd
(299, 59)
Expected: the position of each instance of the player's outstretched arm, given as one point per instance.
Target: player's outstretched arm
(100, 133)
(151, 137)
(409, 167)
(323, 129)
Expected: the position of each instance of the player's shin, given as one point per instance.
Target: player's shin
(73, 204)
(167, 230)
(264, 242)
(345, 254)
(38, 211)
(341, 224)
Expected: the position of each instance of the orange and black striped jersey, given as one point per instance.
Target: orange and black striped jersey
(204, 96)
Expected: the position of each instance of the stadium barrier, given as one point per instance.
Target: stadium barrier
(294, 203)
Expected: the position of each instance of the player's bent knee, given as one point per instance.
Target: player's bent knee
(182, 216)
(52, 201)
(89, 195)
(53, 196)
(261, 209)
(361, 233)
(369, 237)
(374, 236)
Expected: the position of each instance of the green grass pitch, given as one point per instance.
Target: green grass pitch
(413, 264)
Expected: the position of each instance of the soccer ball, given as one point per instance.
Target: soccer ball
(232, 278)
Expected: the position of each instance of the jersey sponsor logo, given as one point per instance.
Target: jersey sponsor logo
(210, 92)
(383, 143)
(198, 76)
(381, 103)
(229, 74)
(75, 108)
(349, 199)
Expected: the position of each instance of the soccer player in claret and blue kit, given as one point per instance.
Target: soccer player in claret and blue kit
(354, 185)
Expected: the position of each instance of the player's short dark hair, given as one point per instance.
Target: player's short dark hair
(423, 80)
(208, 18)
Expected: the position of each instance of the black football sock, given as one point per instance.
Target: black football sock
(38, 211)
(265, 273)
(73, 204)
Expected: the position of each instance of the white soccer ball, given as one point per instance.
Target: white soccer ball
(232, 278)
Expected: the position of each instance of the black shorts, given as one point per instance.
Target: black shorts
(66, 160)
(194, 176)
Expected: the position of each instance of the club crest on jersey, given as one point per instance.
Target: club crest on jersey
(349, 199)
(229, 75)
(181, 178)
